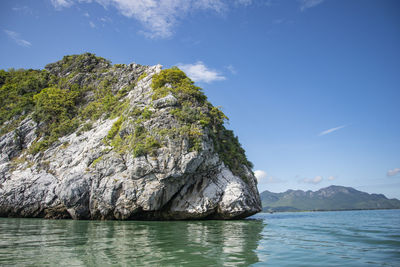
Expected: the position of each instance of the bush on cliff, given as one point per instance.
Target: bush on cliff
(17, 88)
(194, 109)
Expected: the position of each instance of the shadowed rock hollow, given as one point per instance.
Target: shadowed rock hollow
(85, 139)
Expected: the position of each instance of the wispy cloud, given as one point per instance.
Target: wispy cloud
(306, 4)
(199, 72)
(393, 172)
(16, 37)
(231, 69)
(59, 4)
(315, 180)
(262, 177)
(23, 9)
(159, 17)
(91, 24)
(331, 178)
(106, 19)
(331, 130)
(243, 2)
(86, 14)
(278, 21)
(273, 180)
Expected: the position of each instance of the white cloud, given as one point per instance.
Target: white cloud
(159, 17)
(273, 180)
(59, 4)
(331, 130)
(106, 19)
(260, 175)
(278, 21)
(86, 14)
(243, 2)
(199, 72)
(231, 69)
(331, 178)
(306, 4)
(315, 180)
(92, 25)
(217, 5)
(393, 172)
(23, 9)
(15, 36)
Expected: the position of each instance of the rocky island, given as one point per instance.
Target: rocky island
(85, 139)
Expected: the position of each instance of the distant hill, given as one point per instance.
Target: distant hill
(325, 199)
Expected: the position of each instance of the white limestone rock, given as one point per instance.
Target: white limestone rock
(81, 177)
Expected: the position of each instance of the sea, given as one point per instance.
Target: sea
(342, 238)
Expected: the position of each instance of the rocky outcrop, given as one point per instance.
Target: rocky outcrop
(90, 173)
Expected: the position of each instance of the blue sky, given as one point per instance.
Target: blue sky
(311, 87)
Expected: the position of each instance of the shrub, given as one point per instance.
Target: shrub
(96, 161)
(17, 88)
(186, 114)
(175, 81)
(142, 76)
(123, 92)
(115, 128)
(146, 114)
(139, 149)
(80, 63)
(39, 146)
(87, 126)
(173, 76)
(196, 111)
(53, 104)
(105, 103)
(55, 109)
(231, 152)
(92, 111)
(151, 144)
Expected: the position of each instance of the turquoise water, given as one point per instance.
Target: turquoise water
(350, 238)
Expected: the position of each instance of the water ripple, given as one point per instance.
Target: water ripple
(356, 238)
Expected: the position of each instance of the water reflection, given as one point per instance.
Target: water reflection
(95, 243)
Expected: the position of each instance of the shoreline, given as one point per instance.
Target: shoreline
(324, 210)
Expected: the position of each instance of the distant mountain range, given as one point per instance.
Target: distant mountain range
(326, 199)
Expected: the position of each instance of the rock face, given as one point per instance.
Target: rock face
(100, 170)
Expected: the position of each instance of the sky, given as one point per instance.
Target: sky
(311, 87)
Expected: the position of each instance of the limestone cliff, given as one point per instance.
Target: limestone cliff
(85, 139)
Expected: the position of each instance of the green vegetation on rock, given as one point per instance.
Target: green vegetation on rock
(72, 94)
(176, 82)
(115, 128)
(105, 103)
(86, 62)
(55, 111)
(140, 142)
(17, 88)
(59, 103)
(141, 77)
(194, 109)
(96, 161)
